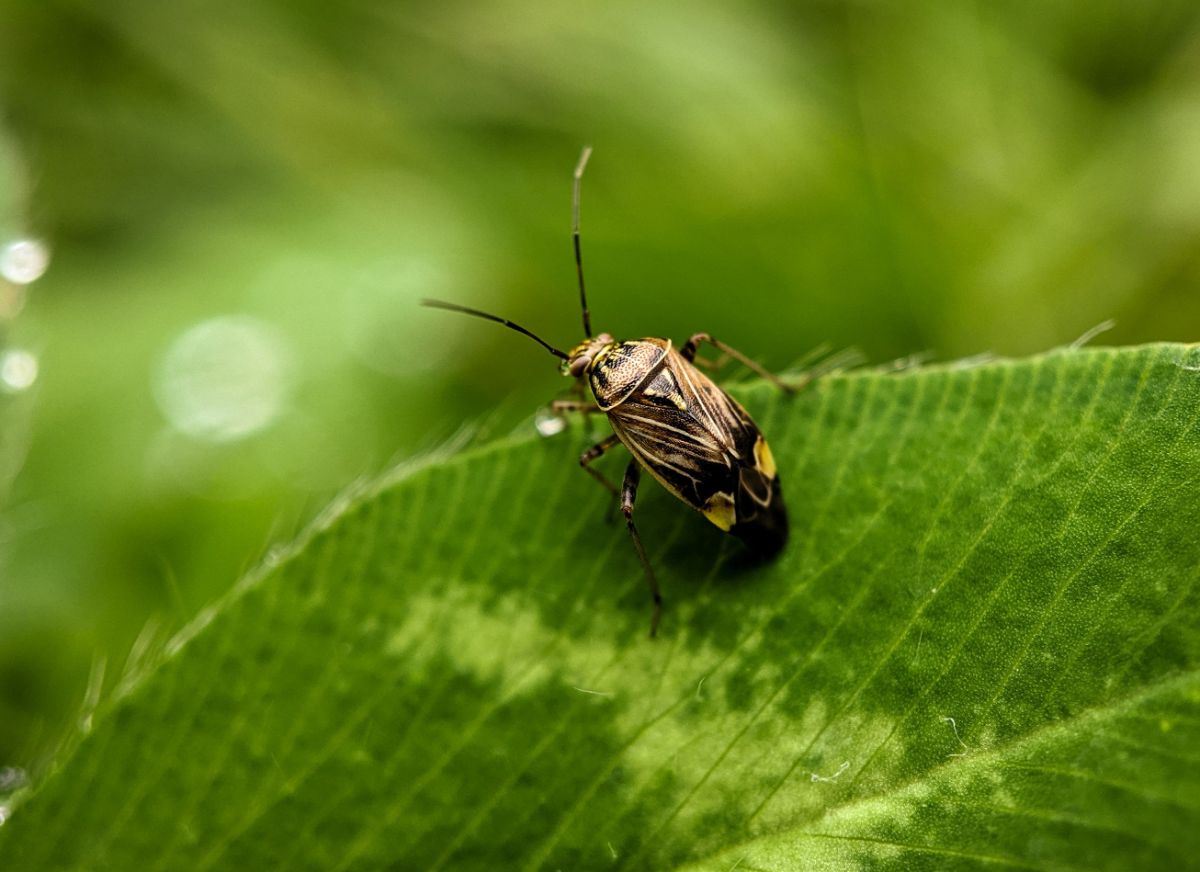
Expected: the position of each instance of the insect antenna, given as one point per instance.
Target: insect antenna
(454, 307)
(579, 167)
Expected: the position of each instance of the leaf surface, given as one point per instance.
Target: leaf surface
(979, 650)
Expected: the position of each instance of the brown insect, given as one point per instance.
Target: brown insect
(699, 442)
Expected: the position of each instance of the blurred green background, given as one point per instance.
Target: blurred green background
(243, 202)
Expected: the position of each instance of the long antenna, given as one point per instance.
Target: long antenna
(454, 307)
(579, 167)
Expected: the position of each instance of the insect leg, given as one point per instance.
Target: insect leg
(587, 408)
(594, 452)
(689, 354)
(633, 474)
(710, 364)
(583, 408)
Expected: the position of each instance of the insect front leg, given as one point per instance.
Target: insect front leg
(689, 354)
(562, 407)
(587, 409)
(633, 474)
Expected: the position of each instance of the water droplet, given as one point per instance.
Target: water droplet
(23, 261)
(224, 379)
(18, 370)
(548, 423)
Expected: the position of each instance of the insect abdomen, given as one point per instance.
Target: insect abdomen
(762, 521)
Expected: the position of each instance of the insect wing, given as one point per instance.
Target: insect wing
(703, 447)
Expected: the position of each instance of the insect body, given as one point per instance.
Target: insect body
(693, 437)
(689, 434)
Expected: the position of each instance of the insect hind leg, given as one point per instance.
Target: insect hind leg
(689, 354)
(633, 474)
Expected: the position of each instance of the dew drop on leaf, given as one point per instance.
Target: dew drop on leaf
(549, 424)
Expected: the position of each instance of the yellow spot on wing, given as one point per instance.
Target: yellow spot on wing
(720, 511)
(763, 458)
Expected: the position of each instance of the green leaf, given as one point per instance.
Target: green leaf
(979, 650)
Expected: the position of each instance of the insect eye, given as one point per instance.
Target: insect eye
(579, 364)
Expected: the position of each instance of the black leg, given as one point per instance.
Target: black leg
(633, 474)
(689, 354)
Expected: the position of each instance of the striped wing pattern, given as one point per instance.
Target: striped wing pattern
(702, 446)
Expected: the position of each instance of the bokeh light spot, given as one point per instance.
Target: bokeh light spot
(23, 261)
(18, 370)
(224, 379)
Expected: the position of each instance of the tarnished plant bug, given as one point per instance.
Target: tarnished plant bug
(699, 442)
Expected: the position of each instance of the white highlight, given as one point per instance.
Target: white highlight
(224, 379)
(954, 726)
(549, 424)
(23, 261)
(13, 778)
(591, 692)
(834, 777)
(18, 370)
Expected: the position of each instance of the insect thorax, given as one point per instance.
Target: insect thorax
(619, 370)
